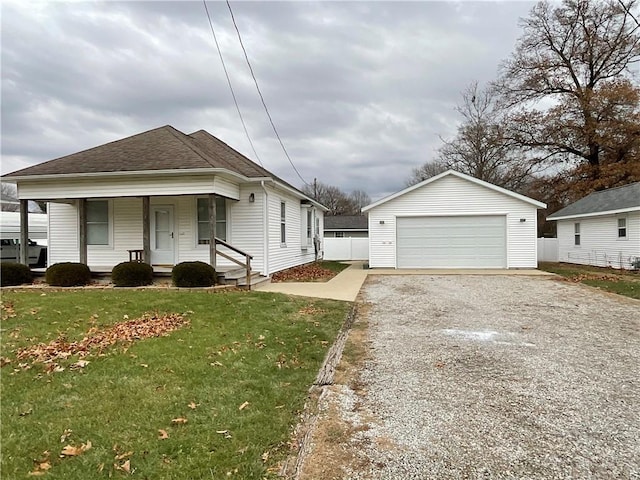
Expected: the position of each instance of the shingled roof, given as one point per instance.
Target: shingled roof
(346, 222)
(625, 198)
(163, 148)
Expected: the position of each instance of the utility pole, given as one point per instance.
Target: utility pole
(315, 189)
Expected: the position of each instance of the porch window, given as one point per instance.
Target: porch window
(203, 220)
(97, 222)
(576, 234)
(283, 223)
(622, 228)
(338, 234)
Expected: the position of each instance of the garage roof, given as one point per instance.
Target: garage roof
(606, 202)
(469, 178)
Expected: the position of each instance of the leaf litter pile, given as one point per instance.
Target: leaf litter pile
(311, 272)
(149, 325)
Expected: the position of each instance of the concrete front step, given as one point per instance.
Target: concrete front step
(238, 277)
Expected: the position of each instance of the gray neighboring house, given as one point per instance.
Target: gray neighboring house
(345, 226)
(601, 229)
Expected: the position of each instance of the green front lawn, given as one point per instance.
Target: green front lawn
(616, 281)
(216, 398)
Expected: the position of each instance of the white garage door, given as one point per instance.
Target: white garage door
(451, 242)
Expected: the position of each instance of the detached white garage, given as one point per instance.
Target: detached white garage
(453, 220)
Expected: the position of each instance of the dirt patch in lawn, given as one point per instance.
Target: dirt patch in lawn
(337, 434)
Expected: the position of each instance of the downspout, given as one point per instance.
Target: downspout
(265, 213)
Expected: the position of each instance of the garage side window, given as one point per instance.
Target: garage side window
(622, 228)
(576, 234)
(98, 222)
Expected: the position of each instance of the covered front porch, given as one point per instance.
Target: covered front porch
(159, 230)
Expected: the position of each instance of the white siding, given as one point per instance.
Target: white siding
(247, 225)
(599, 243)
(63, 233)
(125, 217)
(452, 195)
(291, 253)
(128, 187)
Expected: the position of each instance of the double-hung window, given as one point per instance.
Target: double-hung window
(622, 227)
(203, 220)
(97, 222)
(576, 234)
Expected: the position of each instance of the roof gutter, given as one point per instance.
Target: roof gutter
(133, 173)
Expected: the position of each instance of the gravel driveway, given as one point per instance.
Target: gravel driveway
(496, 377)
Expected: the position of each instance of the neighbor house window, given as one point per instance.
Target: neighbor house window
(309, 226)
(97, 222)
(283, 224)
(203, 220)
(622, 228)
(576, 234)
(339, 234)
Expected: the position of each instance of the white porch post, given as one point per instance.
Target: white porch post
(146, 231)
(24, 232)
(82, 230)
(212, 230)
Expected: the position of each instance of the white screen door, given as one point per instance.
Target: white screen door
(162, 235)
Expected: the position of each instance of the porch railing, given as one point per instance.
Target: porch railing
(247, 257)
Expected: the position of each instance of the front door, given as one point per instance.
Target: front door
(162, 235)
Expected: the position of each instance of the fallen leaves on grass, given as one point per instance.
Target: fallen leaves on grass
(162, 434)
(73, 451)
(125, 467)
(243, 406)
(147, 326)
(179, 421)
(193, 405)
(42, 465)
(311, 310)
(7, 310)
(311, 272)
(592, 276)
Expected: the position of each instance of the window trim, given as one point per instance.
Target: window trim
(625, 228)
(283, 223)
(576, 234)
(109, 244)
(197, 222)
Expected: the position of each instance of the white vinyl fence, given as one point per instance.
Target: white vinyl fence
(548, 250)
(346, 248)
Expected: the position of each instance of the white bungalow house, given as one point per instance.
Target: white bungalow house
(166, 197)
(453, 220)
(601, 229)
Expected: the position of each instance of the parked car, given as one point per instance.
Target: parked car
(10, 248)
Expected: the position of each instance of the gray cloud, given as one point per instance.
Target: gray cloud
(360, 91)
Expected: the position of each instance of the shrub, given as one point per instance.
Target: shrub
(68, 274)
(132, 274)
(193, 274)
(15, 274)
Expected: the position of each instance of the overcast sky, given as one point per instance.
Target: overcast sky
(360, 92)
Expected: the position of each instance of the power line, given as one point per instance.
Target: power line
(275, 130)
(224, 67)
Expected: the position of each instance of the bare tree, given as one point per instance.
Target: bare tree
(331, 197)
(568, 81)
(9, 196)
(482, 148)
(359, 199)
(427, 170)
